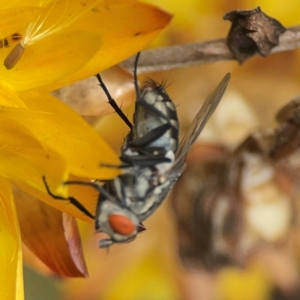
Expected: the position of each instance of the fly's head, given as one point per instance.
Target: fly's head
(118, 222)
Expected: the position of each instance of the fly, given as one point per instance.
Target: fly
(152, 161)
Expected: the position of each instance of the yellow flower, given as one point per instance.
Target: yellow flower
(45, 45)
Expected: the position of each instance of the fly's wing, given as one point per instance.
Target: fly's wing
(191, 135)
(197, 126)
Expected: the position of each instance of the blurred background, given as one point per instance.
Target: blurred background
(151, 268)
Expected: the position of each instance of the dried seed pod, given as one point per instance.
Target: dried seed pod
(252, 32)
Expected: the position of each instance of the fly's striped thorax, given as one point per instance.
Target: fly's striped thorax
(155, 111)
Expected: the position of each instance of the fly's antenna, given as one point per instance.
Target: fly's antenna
(136, 85)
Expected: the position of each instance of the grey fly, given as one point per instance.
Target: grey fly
(151, 159)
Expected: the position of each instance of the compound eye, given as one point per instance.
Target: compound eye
(121, 224)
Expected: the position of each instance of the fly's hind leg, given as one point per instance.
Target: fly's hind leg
(112, 102)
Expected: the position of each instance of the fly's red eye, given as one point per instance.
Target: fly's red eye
(121, 224)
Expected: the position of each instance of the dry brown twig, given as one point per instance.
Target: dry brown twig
(201, 53)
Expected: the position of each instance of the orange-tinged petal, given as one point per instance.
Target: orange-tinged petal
(61, 128)
(48, 62)
(51, 236)
(73, 240)
(23, 158)
(125, 28)
(31, 260)
(11, 276)
(87, 196)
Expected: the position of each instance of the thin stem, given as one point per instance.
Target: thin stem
(201, 53)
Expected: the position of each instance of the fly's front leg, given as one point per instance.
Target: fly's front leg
(72, 200)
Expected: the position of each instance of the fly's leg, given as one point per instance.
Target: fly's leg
(151, 136)
(136, 85)
(98, 187)
(147, 161)
(72, 200)
(113, 103)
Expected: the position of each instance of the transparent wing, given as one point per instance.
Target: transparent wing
(197, 126)
(189, 138)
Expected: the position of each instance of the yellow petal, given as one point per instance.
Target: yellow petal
(23, 158)
(65, 35)
(45, 62)
(11, 276)
(67, 133)
(15, 19)
(9, 98)
(125, 28)
(51, 236)
(20, 3)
